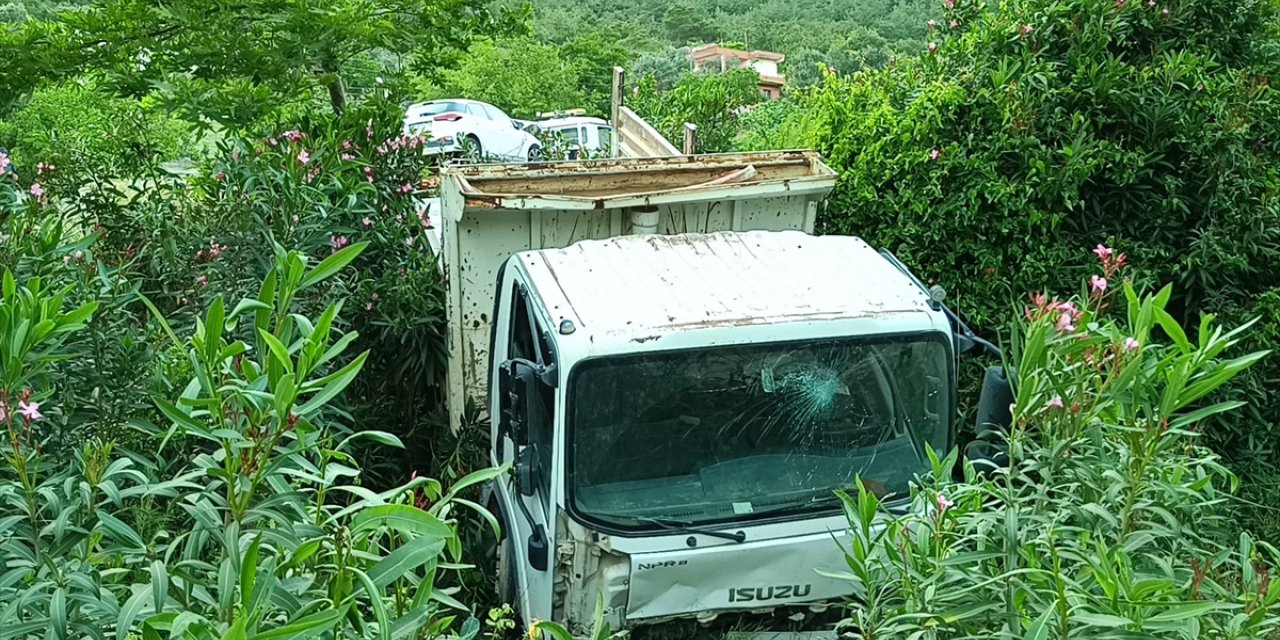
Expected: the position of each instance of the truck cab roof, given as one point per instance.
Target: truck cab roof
(641, 287)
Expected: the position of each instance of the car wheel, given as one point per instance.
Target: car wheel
(471, 150)
(535, 153)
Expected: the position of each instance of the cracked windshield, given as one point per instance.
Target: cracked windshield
(752, 431)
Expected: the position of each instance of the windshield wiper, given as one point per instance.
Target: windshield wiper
(810, 505)
(687, 527)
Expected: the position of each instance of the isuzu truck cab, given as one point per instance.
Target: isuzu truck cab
(680, 376)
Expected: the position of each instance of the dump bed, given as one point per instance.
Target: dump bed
(489, 213)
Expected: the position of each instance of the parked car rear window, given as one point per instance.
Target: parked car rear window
(437, 108)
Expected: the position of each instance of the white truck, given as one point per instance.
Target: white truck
(679, 376)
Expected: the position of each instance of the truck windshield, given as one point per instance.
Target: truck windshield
(735, 433)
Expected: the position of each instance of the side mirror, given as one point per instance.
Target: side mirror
(516, 395)
(527, 470)
(994, 417)
(539, 548)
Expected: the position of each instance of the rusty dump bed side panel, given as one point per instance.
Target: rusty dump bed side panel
(491, 212)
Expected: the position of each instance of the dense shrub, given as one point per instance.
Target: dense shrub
(85, 132)
(1109, 520)
(272, 531)
(1033, 127)
(713, 101)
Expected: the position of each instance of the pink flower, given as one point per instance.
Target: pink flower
(338, 242)
(368, 174)
(4, 412)
(933, 155)
(66, 259)
(374, 296)
(220, 177)
(272, 142)
(1130, 344)
(30, 410)
(296, 218)
(368, 306)
(4, 162)
(1056, 402)
(346, 145)
(202, 281)
(293, 136)
(1027, 29)
(37, 191)
(1103, 252)
(405, 188)
(944, 502)
(381, 149)
(79, 256)
(949, 4)
(635, 91)
(368, 132)
(348, 157)
(1066, 323)
(424, 217)
(409, 242)
(931, 24)
(1098, 283)
(955, 23)
(933, 46)
(1165, 12)
(367, 222)
(304, 157)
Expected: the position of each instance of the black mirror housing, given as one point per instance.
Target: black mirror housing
(526, 469)
(993, 420)
(995, 402)
(539, 549)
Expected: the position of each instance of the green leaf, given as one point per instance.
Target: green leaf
(375, 603)
(249, 571)
(1190, 610)
(403, 518)
(333, 264)
(306, 626)
(1039, 630)
(475, 477)
(333, 385)
(58, 613)
(1174, 331)
(120, 531)
(1204, 412)
(408, 557)
(130, 611)
(179, 417)
(278, 351)
(214, 325)
(237, 630)
(1100, 620)
(159, 585)
(380, 437)
(160, 320)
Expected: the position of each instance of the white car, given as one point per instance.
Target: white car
(474, 130)
(579, 136)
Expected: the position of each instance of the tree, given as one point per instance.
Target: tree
(521, 76)
(1025, 131)
(713, 101)
(247, 50)
(593, 56)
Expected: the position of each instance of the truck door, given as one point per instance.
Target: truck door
(526, 403)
